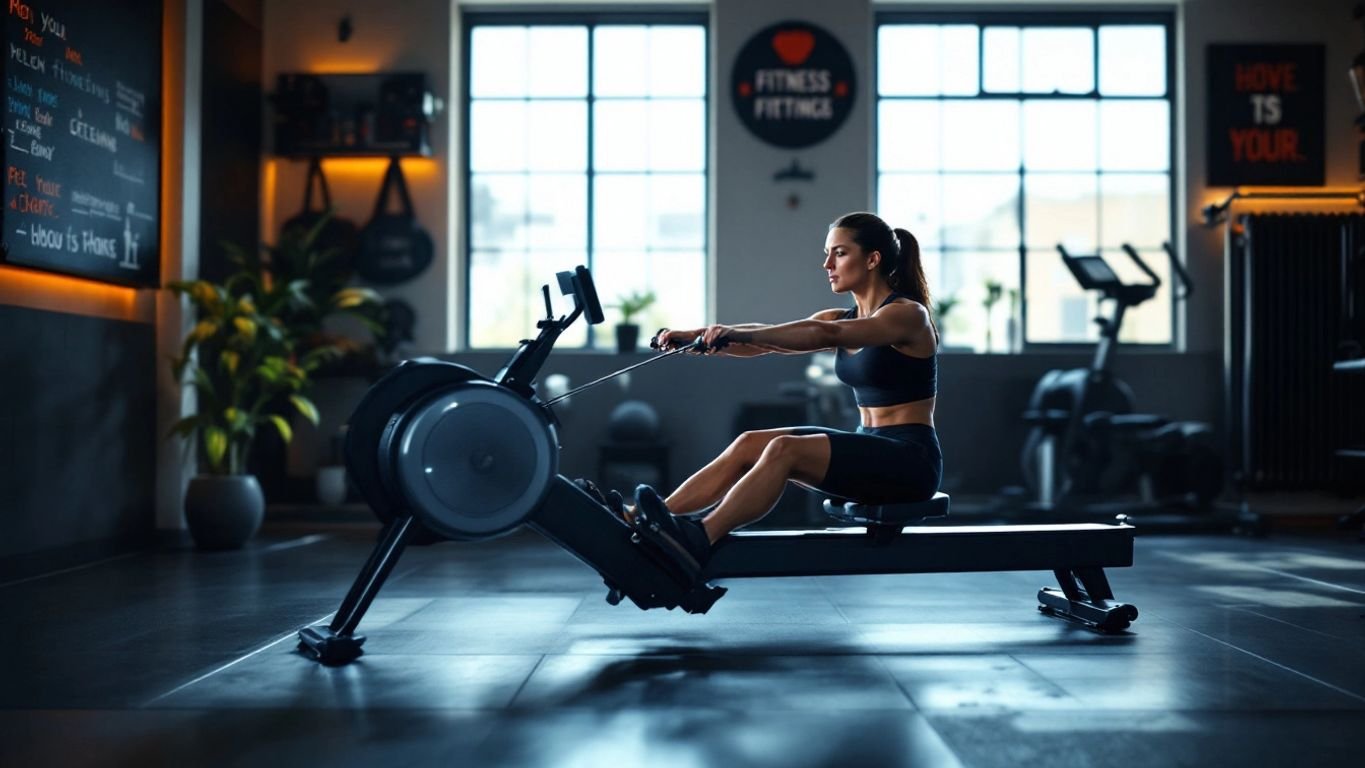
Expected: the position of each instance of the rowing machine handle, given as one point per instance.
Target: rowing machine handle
(696, 346)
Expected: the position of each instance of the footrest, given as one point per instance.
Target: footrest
(1108, 619)
(888, 514)
(326, 646)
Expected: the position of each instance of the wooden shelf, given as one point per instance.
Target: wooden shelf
(1349, 365)
(377, 114)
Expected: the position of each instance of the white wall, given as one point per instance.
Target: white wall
(183, 63)
(767, 255)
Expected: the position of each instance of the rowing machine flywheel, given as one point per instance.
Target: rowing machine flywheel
(473, 461)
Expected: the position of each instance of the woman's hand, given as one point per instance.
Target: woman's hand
(712, 334)
(667, 339)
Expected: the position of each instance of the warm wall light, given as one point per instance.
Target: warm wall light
(369, 168)
(350, 65)
(269, 187)
(1215, 213)
(342, 173)
(73, 295)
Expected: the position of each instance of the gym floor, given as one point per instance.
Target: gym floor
(504, 653)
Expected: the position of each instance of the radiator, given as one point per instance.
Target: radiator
(1293, 306)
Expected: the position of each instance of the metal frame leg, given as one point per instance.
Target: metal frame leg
(1087, 602)
(337, 643)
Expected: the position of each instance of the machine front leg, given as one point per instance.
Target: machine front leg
(337, 643)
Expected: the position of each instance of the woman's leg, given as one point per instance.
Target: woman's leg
(710, 483)
(804, 459)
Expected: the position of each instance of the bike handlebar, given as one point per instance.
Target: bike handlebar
(1142, 265)
(1178, 269)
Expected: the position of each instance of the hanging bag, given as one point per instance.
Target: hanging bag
(338, 233)
(393, 247)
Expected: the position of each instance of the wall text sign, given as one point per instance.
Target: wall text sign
(793, 84)
(1266, 115)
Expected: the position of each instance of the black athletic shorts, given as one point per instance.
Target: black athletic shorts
(881, 465)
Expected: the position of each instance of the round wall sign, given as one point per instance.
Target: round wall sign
(793, 84)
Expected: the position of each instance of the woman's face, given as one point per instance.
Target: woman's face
(845, 262)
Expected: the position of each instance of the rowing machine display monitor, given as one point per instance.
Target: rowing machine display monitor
(579, 283)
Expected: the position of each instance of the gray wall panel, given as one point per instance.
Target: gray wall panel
(76, 445)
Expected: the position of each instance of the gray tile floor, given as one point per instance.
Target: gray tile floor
(1247, 652)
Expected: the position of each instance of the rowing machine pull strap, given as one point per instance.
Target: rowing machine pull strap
(694, 345)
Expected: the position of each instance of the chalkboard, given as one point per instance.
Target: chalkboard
(81, 148)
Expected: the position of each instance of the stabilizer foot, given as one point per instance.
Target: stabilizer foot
(1107, 619)
(329, 648)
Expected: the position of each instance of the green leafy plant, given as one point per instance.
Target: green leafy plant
(633, 304)
(259, 340)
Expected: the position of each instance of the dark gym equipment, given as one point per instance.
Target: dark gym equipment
(439, 451)
(1088, 452)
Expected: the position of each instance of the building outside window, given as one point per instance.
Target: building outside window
(586, 145)
(1000, 137)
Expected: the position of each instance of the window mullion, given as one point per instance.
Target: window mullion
(590, 178)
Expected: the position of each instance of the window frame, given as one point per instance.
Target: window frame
(472, 18)
(1092, 20)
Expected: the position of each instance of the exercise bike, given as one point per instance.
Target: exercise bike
(1088, 451)
(439, 451)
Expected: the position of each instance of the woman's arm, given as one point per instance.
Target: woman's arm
(893, 324)
(669, 338)
(753, 347)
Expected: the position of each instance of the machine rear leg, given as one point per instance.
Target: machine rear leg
(337, 643)
(1085, 597)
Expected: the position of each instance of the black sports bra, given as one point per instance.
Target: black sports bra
(882, 376)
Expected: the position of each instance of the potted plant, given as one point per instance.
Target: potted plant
(250, 358)
(994, 290)
(628, 332)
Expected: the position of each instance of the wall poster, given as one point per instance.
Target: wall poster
(1266, 109)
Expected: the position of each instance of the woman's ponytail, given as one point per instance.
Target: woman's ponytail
(909, 274)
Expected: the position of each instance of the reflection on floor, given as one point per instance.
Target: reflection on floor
(1247, 652)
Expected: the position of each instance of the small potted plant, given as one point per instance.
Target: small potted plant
(250, 358)
(627, 331)
(994, 290)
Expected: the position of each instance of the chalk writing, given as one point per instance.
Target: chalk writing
(81, 84)
(26, 59)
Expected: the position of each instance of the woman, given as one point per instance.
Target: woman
(885, 350)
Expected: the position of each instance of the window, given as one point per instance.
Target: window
(586, 145)
(1000, 137)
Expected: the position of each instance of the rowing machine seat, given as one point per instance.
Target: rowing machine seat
(888, 514)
